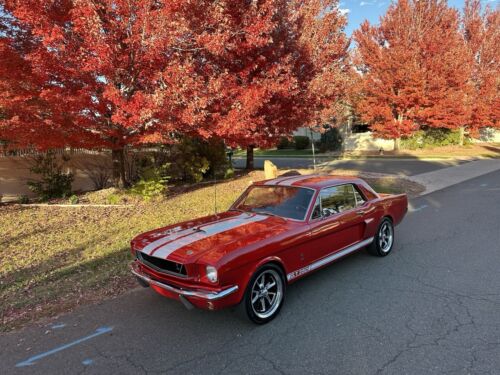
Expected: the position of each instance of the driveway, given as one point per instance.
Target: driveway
(406, 167)
(431, 307)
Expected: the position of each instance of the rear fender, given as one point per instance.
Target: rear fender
(395, 206)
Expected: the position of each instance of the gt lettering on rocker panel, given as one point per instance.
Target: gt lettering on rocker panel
(328, 259)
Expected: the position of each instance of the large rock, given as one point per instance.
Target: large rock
(270, 170)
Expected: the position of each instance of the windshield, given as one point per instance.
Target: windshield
(285, 201)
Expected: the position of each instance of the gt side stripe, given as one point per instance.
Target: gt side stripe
(206, 231)
(328, 259)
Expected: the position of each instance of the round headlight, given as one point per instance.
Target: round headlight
(212, 274)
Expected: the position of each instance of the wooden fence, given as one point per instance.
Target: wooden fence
(15, 172)
(5, 152)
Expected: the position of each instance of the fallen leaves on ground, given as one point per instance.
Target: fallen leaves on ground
(57, 258)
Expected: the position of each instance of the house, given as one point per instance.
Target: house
(356, 138)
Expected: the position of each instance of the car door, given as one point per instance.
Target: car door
(337, 220)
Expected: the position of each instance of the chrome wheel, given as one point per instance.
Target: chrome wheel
(266, 294)
(385, 237)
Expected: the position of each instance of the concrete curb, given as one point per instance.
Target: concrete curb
(390, 158)
(74, 205)
(446, 177)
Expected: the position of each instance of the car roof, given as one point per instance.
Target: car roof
(314, 181)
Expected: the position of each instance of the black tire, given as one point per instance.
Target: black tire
(383, 241)
(271, 307)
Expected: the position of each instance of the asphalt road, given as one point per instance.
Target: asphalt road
(406, 167)
(431, 307)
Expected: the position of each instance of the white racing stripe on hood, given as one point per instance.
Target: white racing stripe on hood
(169, 236)
(165, 239)
(205, 231)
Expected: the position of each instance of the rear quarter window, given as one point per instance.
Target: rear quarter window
(369, 195)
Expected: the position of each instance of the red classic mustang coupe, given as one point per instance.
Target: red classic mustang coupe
(277, 232)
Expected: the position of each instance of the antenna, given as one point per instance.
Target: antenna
(313, 151)
(215, 193)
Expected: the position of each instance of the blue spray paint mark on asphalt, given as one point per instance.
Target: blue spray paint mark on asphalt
(57, 326)
(87, 362)
(30, 361)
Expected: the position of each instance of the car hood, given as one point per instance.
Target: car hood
(210, 237)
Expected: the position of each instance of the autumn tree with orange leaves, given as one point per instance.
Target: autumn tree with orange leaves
(414, 69)
(481, 32)
(118, 73)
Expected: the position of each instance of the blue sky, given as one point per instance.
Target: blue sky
(359, 10)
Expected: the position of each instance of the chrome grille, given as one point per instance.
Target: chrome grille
(162, 265)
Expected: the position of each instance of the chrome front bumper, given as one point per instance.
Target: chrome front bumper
(209, 296)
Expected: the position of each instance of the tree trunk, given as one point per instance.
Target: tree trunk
(119, 178)
(462, 136)
(397, 141)
(250, 164)
(397, 144)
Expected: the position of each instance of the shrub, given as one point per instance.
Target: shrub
(214, 151)
(113, 198)
(433, 137)
(24, 199)
(320, 147)
(189, 160)
(413, 142)
(331, 140)
(192, 159)
(148, 189)
(73, 199)
(301, 142)
(229, 173)
(284, 143)
(53, 182)
(151, 184)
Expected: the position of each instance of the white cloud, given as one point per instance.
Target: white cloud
(363, 3)
(344, 11)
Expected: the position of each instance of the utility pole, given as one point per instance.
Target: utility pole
(314, 153)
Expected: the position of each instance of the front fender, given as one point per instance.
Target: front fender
(241, 276)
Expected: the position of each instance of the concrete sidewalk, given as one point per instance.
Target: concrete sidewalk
(445, 177)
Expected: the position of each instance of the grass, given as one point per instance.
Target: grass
(276, 152)
(487, 150)
(56, 258)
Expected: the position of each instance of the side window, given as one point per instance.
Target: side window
(359, 198)
(331, 201)
(316, 214)
(349, 198)
(335, 200)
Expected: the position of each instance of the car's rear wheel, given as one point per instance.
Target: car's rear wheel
(384, 240)
(265, 294)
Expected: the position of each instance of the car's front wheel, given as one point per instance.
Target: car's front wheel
(265, 294)
(384, 240)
